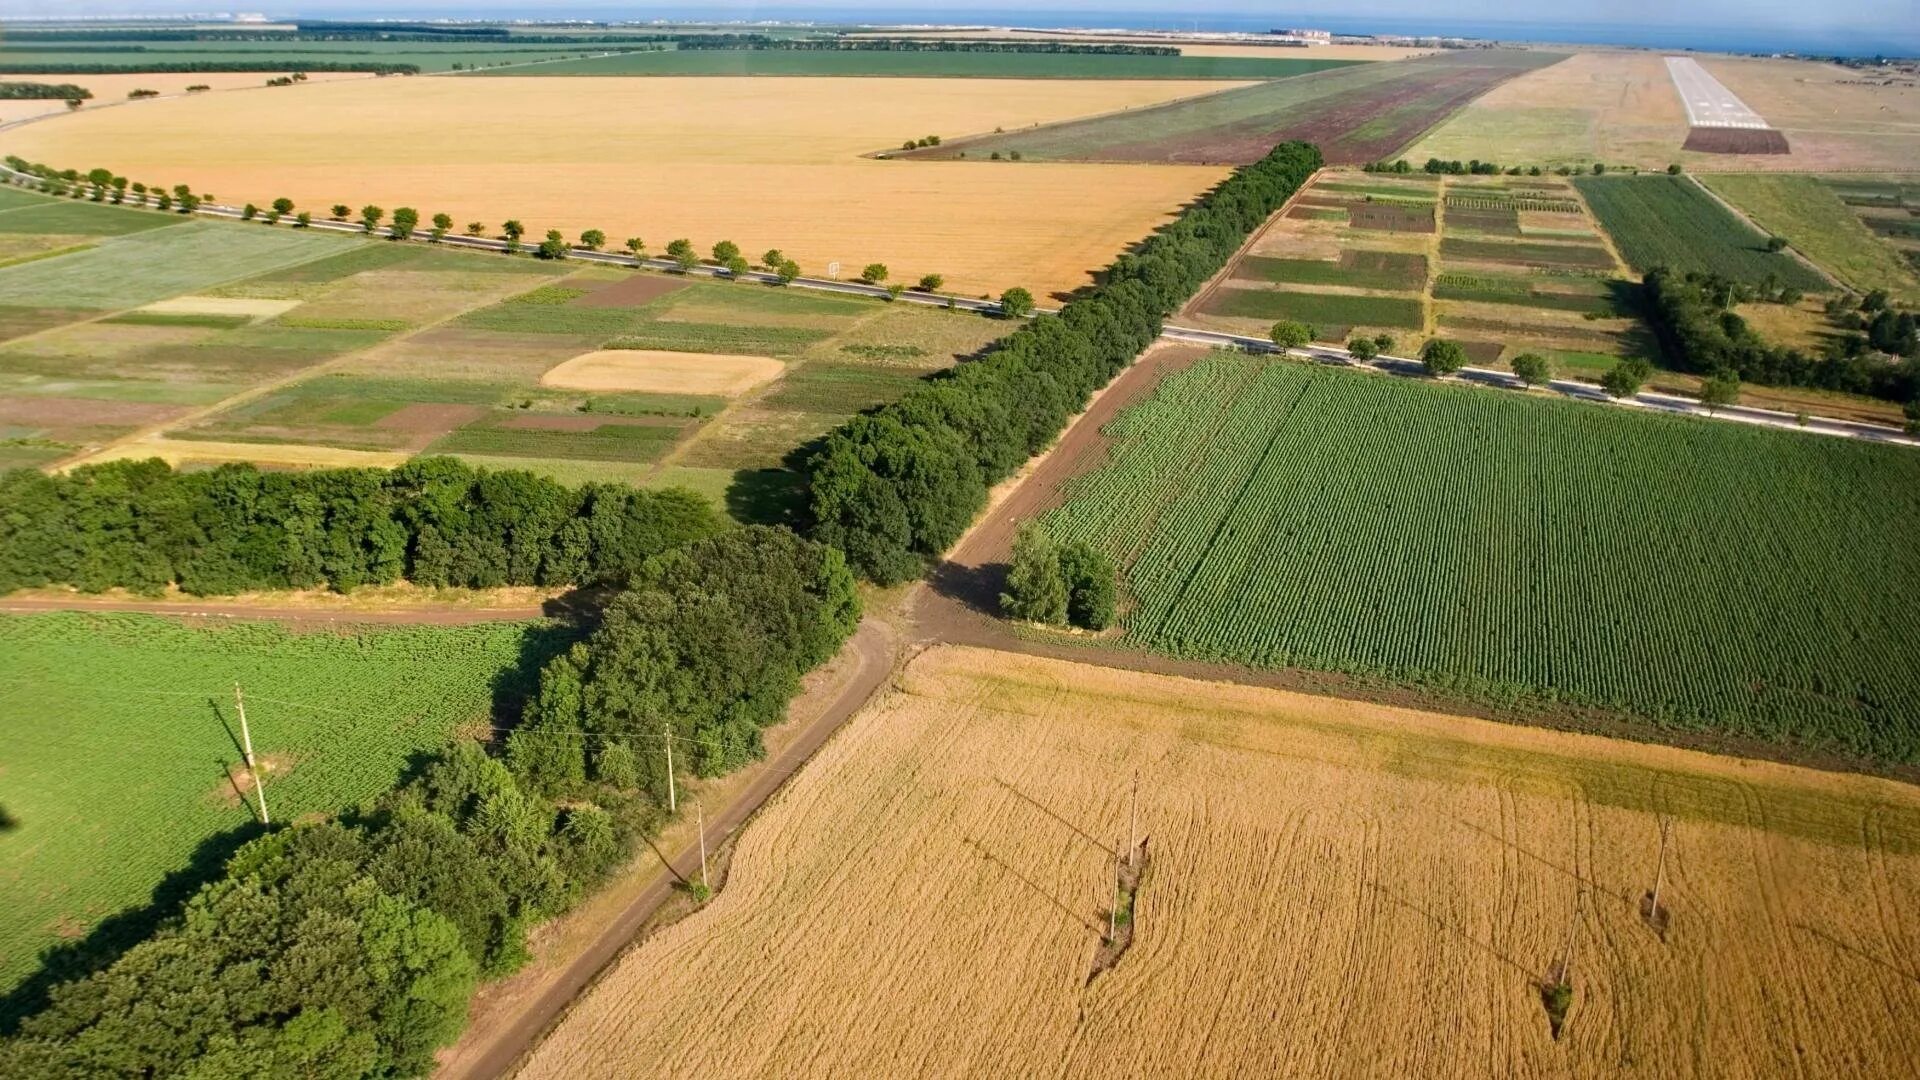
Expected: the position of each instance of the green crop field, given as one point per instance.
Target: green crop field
(931, 65)
(81, 219)
(1319, 309)
(1554, 294)
(1670, 221)
(1519, 253)
(1282, 514)
(1810, 215)
(277, 57)
(122, 737)
(146, 266)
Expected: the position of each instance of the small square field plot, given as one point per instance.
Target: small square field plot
(1672, 221)
(1523, 269)
(1358, 258)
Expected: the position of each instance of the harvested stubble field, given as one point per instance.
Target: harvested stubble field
(1285, 515)
(1335, 888)
(764, 162)
(335, 714)
(1357, 114)
(1671, 221)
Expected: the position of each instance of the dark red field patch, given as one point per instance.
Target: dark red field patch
(631, 292)
(1392, 217)
(1716, 140)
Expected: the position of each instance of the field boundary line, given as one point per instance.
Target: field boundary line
(1225, 273)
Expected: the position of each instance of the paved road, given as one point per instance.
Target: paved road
(1709, 103)
(497, 1051)
(1327, 354)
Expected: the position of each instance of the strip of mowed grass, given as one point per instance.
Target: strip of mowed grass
(81, 217)
(1670, 221)
(929, 65)
(1812, 218)
(612, 441)
(1319, 309)
(1283, 514)
(639, 404)
(1388, 270)
(335, 715)
(137, 269)
(1546, 256)
(846, 388)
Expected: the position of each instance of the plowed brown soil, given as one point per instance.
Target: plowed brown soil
(1337, 889)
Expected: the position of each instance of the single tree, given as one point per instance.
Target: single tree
(1016, 303)
(476, 228)
(249, 212)
(442, 225)
(119, 185)
(1776, 244)
(553, 247)
(593, 239)
(1363, 349)
(189, 202)
(1624, 379)
(340, 211)
(165, 202)
(1442, 357)
(405, 220)
(874, 273)
(773, 258)
(1719, 390)
(678, 248)
(1036, 589)
(787, 271)
(283, 206)
(907, 144)
(303, 219)
(513, 230)
(1532, 369)
(636, 247)
(1673, 169)
(895, 289)
(1383, 343)
(737, 267)
(1291, 335)
(1089, 576)
(725, 251)
(370, 216)
(1599, 169)
(931, 282)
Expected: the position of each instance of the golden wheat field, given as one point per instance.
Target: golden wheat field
(1335, 889)
(765, 162)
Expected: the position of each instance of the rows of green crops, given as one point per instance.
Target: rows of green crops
(1670, 221)
(120, 730)
(1698, 574)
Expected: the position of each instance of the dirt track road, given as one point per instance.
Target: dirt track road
(487, 1052)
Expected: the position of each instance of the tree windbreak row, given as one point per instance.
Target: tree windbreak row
(896, 488)
(1695, 316)
(351, 948)
(143, 526)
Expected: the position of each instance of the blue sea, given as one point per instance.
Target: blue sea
(1752, 37)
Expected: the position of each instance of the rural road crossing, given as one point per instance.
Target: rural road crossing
(1326, 354)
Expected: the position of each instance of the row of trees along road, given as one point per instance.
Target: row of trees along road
(352, 947)
(895, 488)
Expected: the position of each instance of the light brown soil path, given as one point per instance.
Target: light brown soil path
(511, 1017)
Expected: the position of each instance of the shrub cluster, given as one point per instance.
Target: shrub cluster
(15, 91)
(433, 521)
(1694, 316)
(895, 488)
(708, 644)
(344, 948)
(1054, 583)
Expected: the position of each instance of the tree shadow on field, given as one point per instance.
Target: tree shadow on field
(1033, 886)
(1484, 946)
(114, 935)
(1049, 811)
(977, 587)
(8, 822)
(1856, 952)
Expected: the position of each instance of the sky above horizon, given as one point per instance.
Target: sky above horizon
(1856, 17)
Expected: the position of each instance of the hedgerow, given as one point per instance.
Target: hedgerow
(895, 488)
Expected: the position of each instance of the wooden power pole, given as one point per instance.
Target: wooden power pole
(701, 809)
(1566, 950)
(1659, 874)
(1133, 820)
(246, 752)
(666, 737)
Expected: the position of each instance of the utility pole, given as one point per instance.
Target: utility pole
(1566, 950)
(701, 809)
(1113, 909)
(246, 751)
(1133, 820)
(673, 799)
(1659, 874)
